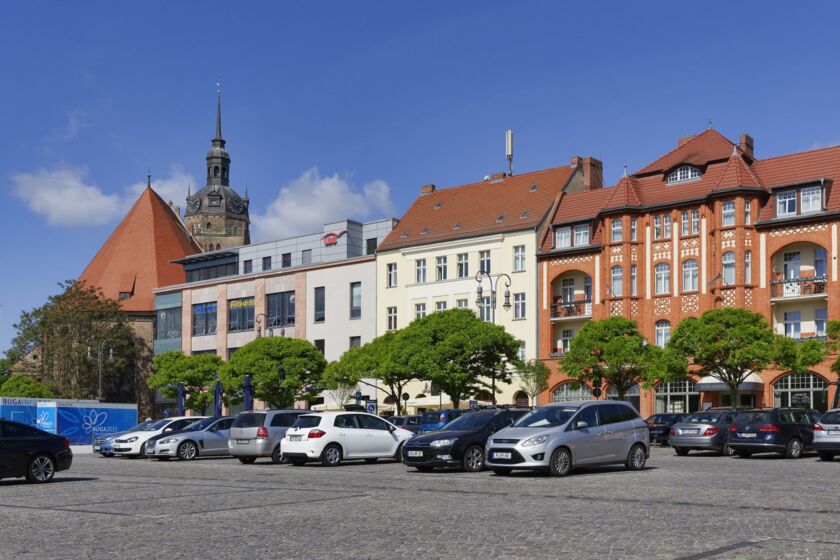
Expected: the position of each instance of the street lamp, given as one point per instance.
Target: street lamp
(479, 302)
(100, 351)
(259, 320)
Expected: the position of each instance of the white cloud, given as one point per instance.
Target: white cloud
(171, 188)
(76, 121)
(305, 204)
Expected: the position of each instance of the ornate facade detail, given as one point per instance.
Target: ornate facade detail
(727, 239)
(662, 306)
(634, 308)
(690, 247)
(615, 254)
(616, 308)
(796, 230)
(728, 297)
(633, 253)
(690, 303)
(572, 260)
(748, 238)
(662, 250)
(748, 297)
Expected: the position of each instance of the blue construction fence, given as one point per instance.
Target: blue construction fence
(78, 421)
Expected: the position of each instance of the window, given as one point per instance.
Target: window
(419, 310)
(286, 260)
(521, 353)
(587, 288)
(319, 344)
(355, 341)
(355, 300)
(728, 213)
(685, 223)
(204, 318)
(633, 290)
(633, 235)
(306, 256)
(440, 306)
(370, 246)
(484, 309)
(617, 281)
(247, 267)
(683, 173)
(748, 267)
(462, 303)
(320, 304)
(573, 391)
(728, 268)
(786, 203)
(440, 269)
(747, 213)
(695, 222)
(391, 313)
(563, 237)
(663, 333)
(663, 278)
(567, 290)
(566, 336)
(484, 261)
(519, 306)
(811, 199)
(819, 262)
(792, 319)
(463, 265)
(581, 235)
(666, 222)
(616, 230)
(391, 278)
(266, 263)
(519, 258)
(689, 276)
(657, 227)
(420, 271)
(241, 314)
(281, 309)
(168, 323)
(820, 317)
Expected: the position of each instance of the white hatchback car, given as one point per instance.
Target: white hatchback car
(133, 444)
(331, 437)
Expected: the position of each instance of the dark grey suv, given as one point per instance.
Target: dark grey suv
(257, 433)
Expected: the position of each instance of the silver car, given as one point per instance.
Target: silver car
(257, 433)
(827, 435)
(561, 436)
(205, 438)
(703, 431)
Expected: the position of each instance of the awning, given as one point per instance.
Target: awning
(440, 401)
(334, 407)
(710, 384)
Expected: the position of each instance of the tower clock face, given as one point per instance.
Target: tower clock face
(193, 204)
(236, 205)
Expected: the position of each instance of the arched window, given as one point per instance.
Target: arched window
(663, 279)
(484, 395)
(676, 397)
(728, 268)
(689, 276)
(209, 225)
(617, 281)
(570, 391)
(663, 332)
(728, 213)
(803, 390)
(632, 396)
(520, 398)
(215, 171)
(683, 173)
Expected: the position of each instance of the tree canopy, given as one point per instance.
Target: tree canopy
(196, 372)
(797, 357)
(23, 386)
(282, 370)
(533, 378)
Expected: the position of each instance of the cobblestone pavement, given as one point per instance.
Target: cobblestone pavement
(695, 507)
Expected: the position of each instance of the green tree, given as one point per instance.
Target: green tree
(797, 357)
(5, 369)
(727, 344)
(614, 350)
(24, 386)
(458, 352)
(533, 378)
(282, 370)
(196, 372)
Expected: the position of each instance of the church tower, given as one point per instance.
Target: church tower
(216, 215)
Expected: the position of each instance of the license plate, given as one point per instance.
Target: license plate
(415, 453)
(501, 455)
(834, 432)
(242, 441)
(747, 435)
(691, 431)
(295, 438)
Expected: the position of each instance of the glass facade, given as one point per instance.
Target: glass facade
(676, 397)
(280, 309)
(241, 314)
(204, 318)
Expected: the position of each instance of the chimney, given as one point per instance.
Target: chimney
(427, 189)
(593, 174)
(745, 143)
(576, 161)
(683, 140)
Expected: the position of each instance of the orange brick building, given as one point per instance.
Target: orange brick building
(706, 225)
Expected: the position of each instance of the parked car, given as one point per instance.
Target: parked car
(258, 433)
(332, 437)
(703, 431)
(827, 435)
(660, 426)
(562, 436)
(204, 438)
(789, 431)
(435, 419)
(104, 444)
(410, 423)
(459, 443)
(28, 452)
(133, 444)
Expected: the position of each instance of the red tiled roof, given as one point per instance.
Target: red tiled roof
(137, 256)
(478, 207)
(736, 173)
(709, 145)
(625, 194)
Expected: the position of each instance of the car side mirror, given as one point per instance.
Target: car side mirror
(167, 430)
(580, 424)
(391, 428)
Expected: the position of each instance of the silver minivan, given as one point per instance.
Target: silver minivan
(257, 433)
(561, 436)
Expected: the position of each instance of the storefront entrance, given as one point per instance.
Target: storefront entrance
(804, 390)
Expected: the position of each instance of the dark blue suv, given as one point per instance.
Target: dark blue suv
(433, 420)
(789, 431)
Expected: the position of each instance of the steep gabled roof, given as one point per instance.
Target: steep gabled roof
(736, 174)
(509, 203)
(709, 145)
(137, 256)
(625, 194)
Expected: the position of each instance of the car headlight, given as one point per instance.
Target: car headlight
(169, 440)
(132, 439)
(536, 440)
(443, 442)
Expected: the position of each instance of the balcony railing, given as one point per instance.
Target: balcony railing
(558, 353)
(562, 309)
(796, 287)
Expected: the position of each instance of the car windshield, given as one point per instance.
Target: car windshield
(702, 418)
(830, 418)
(474, 421)
(141, 426)
(753, 418)
(199, 425)
(159, 425)
(310, 421)
(546, 416)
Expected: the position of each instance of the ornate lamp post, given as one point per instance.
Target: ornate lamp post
(479, 301)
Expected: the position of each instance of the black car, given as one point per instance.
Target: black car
(659, 426)
(789, 431)
(30, 452)
(459, 443)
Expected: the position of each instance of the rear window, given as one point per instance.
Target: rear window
(283, 420)
(430, 417)
(397, 421)
(830, 418)
(310, 421)
(706, 418)
(754, 418)
(413, 420)
(249, 420)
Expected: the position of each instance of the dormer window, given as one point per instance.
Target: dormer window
(566, 236)
(684, 173)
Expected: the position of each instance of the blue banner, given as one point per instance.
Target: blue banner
(47, 419)
(81, 425)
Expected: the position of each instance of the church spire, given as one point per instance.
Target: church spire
(218, 111)
(218, 159)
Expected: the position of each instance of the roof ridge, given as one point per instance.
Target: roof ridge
(680, 146)
(491, 182)
(799, 153)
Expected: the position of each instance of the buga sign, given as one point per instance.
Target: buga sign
(331, 238)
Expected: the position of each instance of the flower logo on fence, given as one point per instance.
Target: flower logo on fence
(93, 420)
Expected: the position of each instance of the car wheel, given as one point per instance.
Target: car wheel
(682, 452)
(744, 454)
(473, 460)
(187, 451)
(561, 462)
(794, 449)
(636, 458)
(277, 455)
(502, 471)
(41, 469)
(425, 469)
(826, 456)
(142, 451)
(247, 460)
(331, 457)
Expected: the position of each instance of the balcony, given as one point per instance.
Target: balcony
(798, 288)
(571, 310)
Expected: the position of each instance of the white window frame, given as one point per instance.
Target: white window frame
(633, 273)
(484, 312)
(617, 230)
(617, 281)
(519, 308)
(811, 195)
(784, 200)
(663, 332)
(793, 324)
(747, 213)
(633, 229)
(666, 226)
(567, 290)
(581, 235)
(748, 267)
(662, 274)
(685, 223)
(484, 263)
(728, 268)
(391, 313)
(563, 237)
(690, 276)
(695, 221)
(820, 321)
(392, 275)
(440, 268)
(684, 173)
(419, 310)
(462, 303)
(420, 271)
(440, 306)
(727, 213)
(463, 265)
(519, 258)
(657, 227)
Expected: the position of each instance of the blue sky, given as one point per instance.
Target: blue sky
(350, 107)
